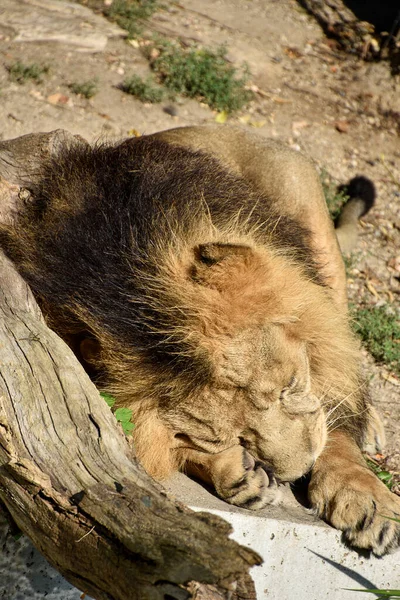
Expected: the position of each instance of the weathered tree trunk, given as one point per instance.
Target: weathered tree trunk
(340, 22)
(67, 473)
(354, 35)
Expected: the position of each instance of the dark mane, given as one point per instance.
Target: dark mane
(97, 214)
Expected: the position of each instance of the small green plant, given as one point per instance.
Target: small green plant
(335, 198)
(21, 72)
(123, 415)
(87, 89)
(201, 73)
(380, 333)
(348, 263)
(381, 593)
(384, 476)
(108, 398)
(144, 89)
(130, 14)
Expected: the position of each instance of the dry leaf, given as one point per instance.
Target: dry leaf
(371, 289)
(390, 378)
(342, 126)
(280, 100)
(36, 94)
(293, 52)
(221, 117)
(57, 98)
(300, 125)
(257, 123)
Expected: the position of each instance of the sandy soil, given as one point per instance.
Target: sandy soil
(342, 112)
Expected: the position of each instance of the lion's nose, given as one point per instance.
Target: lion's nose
(296, 404)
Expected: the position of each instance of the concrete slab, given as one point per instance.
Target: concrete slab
(304, 559)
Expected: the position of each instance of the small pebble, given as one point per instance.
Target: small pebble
(170, 109)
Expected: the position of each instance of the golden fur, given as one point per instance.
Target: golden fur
(228, 333)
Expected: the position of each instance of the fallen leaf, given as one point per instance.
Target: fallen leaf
(293, 52)
(57, 98)
(391, 300)
(154, 53)
(391, 378)
(342, 126)
(257, 123)
(394, 263)
(371, 288)
(280, 100)
(36, 94)
(221, 117)
(300, 125)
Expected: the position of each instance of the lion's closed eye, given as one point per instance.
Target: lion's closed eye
(291, 386)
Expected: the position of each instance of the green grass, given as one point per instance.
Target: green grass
(384, 476)
(380, 334)
(381, 593)
(130, 14)
(21, 72)
(87, 89)
(201, 73)
(335, 199)
(144, 89)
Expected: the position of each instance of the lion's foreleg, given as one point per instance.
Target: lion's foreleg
(349, 496)
(154, 443)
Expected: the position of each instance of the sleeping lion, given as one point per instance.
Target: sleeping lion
(197, 272)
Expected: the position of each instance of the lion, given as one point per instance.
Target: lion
(198, 273)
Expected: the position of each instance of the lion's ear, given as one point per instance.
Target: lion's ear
(215, 261)
(215, 252)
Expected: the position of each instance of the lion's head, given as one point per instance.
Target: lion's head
(258, 360)
(259, 395)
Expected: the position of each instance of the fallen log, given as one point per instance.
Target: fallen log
(68, 475)
(354, 35)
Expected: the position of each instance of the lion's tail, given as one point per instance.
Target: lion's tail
(361, 192)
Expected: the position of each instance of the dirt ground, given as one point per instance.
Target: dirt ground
(342, 112)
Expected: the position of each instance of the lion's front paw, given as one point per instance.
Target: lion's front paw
(359, 504)
(242, 481)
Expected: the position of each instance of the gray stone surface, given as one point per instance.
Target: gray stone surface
(56, 21)
(25, 574)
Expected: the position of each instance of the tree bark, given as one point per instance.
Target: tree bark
(68, 474)
(340, 22)
(355, 36)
